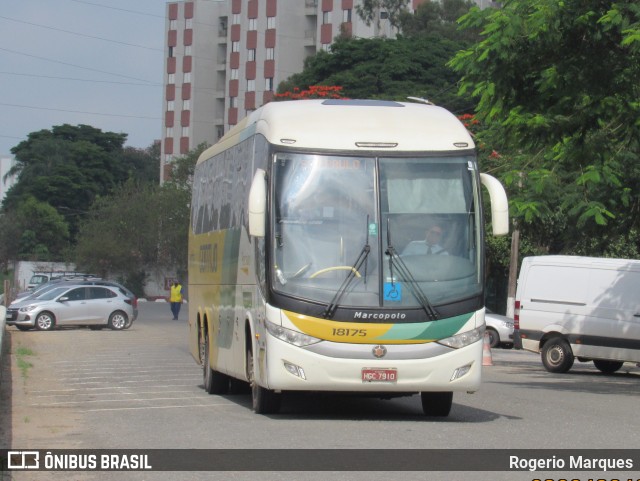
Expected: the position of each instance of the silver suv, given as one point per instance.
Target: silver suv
(95, 306)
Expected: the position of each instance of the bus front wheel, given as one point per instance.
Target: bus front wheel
(264, 400)
(436, 403)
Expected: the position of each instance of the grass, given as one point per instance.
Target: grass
(23, 364)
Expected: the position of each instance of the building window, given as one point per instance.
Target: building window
(270, 53)
(170, 52)
(168, 159)
(326, 47)
(251, 54)
(188, 23)
(251, 85)
(384, 15)
(187, 78)
(169, 132)
(253, 24)
(233, 102)
(268, 84)
(185, 131)
(236, 18)
(170, 106)
(326, 18)
(271, 22)
(186, 104)
(235, 46)
(187, 50)
(172, 78)
(173, 24)
(346, 15)
(234, 74)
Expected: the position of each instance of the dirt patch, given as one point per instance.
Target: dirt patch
(29, 420)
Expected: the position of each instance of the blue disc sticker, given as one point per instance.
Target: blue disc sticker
(392, 291)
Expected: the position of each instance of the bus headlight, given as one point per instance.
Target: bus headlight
(463, 339)
(292, 337)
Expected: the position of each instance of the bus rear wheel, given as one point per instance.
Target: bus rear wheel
(264, 401)
(214, 382)
(436, 403)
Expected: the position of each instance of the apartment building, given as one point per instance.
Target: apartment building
(225, 58)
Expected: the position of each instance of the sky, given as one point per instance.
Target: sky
(92, 62)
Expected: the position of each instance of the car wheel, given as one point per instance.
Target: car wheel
(214, 382)
(436, 403)
(494, 337)
(118, 320)
(45, 321)
(557, 355)
(607, 367)
(264, 401)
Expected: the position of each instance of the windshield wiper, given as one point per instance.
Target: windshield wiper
(405, 273)
(355, 268)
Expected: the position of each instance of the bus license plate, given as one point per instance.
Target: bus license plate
(379, 375)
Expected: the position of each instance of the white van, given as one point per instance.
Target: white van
(579, 307)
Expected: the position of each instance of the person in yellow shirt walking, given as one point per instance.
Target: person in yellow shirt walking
(175, 298)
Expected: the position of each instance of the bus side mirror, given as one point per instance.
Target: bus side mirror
(499, 204)
(258, 204)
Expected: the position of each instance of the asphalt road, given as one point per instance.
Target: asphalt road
(140, 389)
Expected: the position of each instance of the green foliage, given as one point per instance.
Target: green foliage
(369, 11)
(557, 91)
(68, 167)
(385, 69)
(138, 226)
(182, 167)
(438, 19)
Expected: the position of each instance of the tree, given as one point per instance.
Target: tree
(369, 11)
(138, 227)
(68, 167)
(557, 91)
(35, 231)
(438, 18)
(386, 69)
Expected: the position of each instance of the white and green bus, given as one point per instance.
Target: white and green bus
(300, 278)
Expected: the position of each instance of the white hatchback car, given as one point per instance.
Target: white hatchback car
(74, 305)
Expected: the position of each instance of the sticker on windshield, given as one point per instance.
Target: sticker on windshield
(392, 291)
(373, 229)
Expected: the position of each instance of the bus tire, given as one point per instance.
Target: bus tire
(214, 382)
(557, 355)
(436, 403)
(607, 367)
(264, 401)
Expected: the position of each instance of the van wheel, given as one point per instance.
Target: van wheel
(436, 403)
(607, 367)
(264, 401)
(557, 355)
(214, 382)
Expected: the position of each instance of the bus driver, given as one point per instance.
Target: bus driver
(429, 246)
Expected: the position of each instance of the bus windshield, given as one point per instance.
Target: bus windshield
(376, 232)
